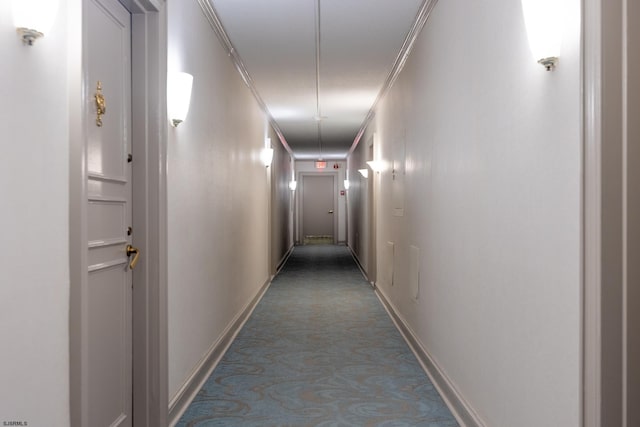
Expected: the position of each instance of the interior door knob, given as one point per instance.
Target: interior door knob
(330, 211)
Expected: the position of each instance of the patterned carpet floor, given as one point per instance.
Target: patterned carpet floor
(319, 350)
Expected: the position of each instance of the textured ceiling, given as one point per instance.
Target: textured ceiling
(318, 82)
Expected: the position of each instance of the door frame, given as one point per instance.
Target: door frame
(149, 140)
(606, 226)
(336, 211)
(372, 207)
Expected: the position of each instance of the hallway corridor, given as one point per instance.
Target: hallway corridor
(319, 349)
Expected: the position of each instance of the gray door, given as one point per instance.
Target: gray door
(107, 325)
(318, 217)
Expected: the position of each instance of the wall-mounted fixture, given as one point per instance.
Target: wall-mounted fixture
(266, 156)
(364, 172)
(544, 22)
(293, 184)
(346, 184)
(33, 18)
(376, 165)
(178, 96)
(321, 164)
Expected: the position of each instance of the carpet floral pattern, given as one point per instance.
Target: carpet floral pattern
(319, 350)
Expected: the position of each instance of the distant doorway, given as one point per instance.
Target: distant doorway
(318, 209)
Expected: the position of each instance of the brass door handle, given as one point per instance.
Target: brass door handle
(136, 254)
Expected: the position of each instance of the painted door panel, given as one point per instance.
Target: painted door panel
(107, 353)
(318, 210)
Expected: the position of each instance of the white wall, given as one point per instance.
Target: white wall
(34, 254)
(493, 202)
(218, 194)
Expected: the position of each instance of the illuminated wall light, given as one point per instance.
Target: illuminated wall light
(346, 184)
(293, 184)
(33, 18)
(544, 22)
(179, 87)
(266, 156)
(364, 172)
(376, 165)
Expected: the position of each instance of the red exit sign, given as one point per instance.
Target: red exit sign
(321, 164)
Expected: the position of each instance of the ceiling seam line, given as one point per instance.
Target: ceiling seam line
(318, 111)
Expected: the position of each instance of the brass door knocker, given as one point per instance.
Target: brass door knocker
(101, 106)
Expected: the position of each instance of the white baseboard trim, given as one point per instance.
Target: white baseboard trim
(364, 273)
(460, 408)
(183, 398)
(283, 260)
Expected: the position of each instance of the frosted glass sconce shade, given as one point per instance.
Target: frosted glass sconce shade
(544, 21)
(376, 165)
(34, 18)
(293, 185)
(346, 184)
(364, 172)
(266, 156)
(178, 96)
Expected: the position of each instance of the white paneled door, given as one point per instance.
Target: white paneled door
(107, 317)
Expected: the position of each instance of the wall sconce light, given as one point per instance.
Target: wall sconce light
(376, 165)
(293, 185)
(266, 156)
(364, 172)
(346, 184)
(178, 96)
(543, 20)
(33, 18)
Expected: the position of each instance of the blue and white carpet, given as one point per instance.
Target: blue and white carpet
(319, 350)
